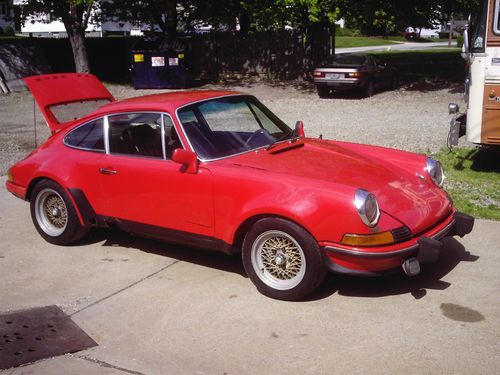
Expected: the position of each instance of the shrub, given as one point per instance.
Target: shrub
(346, 31)
(8, 31)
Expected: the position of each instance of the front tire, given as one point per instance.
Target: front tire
(282, 259)
(369, 89)
(394, 83)
(54, 215)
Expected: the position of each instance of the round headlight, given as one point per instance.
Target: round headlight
(367, 206)
(435, 170)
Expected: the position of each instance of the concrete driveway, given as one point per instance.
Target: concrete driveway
(158, 309)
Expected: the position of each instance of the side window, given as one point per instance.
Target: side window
(89, 136)
(136, 134)
(172, 140)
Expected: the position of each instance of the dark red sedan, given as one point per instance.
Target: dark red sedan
(361, 72)
(217, 170)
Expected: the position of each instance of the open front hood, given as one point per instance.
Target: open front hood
(66, 97)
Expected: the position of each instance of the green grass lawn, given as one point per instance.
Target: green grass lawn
(360, 41)
(473, 180)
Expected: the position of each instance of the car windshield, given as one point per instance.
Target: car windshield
(231, 125)
(346, 60)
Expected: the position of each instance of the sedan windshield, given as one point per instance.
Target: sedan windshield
(230, 125)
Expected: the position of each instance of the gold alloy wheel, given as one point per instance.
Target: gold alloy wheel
(51, 212)
(278, 260)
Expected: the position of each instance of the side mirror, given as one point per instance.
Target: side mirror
(187, 159)
(299, 129)
(465, 45)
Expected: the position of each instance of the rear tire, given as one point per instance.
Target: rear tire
(282, 259)
(323, 91)
(54, 215)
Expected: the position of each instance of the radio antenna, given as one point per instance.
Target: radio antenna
(34, 121)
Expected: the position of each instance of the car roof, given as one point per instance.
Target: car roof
(165, 102)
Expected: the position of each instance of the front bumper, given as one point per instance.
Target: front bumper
(425, 248)
(339, 84)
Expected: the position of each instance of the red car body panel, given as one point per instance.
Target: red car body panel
(310, 182)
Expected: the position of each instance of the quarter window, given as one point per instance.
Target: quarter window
(172, 140)
(136, 134)
(89, 136)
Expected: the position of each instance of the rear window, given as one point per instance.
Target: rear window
(89, 136)
(346, 60)
(75, 110)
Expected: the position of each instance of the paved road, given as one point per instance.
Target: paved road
(158, 309)
(395, 47)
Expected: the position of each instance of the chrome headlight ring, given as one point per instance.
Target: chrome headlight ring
(435, 171)
(367, 206)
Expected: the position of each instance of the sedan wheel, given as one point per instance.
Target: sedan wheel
(369, 89)
(323, 91)
(54, 215)
(282, 259)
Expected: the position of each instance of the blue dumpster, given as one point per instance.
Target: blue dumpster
(152, 69)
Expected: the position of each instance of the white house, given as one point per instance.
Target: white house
(43, 26)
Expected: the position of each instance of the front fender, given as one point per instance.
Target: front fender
(325, 210)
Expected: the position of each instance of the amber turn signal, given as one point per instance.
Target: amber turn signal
(10, 178)
(354, 75)
(376, 239)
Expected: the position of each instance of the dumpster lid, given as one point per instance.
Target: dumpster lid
(66, 97)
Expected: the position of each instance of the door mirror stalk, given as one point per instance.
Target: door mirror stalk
(188, 160)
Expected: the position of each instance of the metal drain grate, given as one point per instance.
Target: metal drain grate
(29, 335)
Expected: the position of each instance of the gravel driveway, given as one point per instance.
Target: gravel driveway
(412, 118)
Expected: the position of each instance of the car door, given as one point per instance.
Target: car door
(145, 190)
(87, 148)
(384, 72)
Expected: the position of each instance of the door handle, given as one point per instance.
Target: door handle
(107, 171)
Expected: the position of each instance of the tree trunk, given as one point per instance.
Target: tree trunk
(169, 26)
(77, 39)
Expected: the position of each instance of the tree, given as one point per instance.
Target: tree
(375, 17)
(75, 15)
(159, 15)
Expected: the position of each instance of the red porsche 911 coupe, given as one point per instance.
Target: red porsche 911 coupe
(218, 170)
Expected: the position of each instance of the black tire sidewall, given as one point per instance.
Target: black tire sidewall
(315, 266)
(369, 89)
(73, 230)
(323, 91)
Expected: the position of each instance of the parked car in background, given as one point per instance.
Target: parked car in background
(218, 170)
(354, 72)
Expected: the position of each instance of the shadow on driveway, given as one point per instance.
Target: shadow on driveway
(372, 287)
(430, 278)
